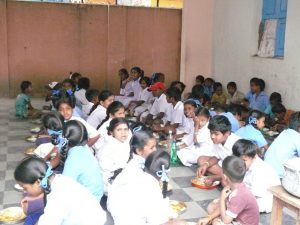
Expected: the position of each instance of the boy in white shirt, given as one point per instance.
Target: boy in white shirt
(259, 177)
(223, 139)
(160, 107)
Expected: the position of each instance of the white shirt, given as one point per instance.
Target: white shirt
(177, 115)
(161, 105)
(80, 98)
(92, 132)
(97, 116)
(203, 137)
(136, 87)
(86, 109)
(222, 151)
(146, 96)
(258, 178)
(135, 198)
(112, 156)
(69, 203)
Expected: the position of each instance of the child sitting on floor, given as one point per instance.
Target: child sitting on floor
(233, 96)
(285, 146)
(255, 123)
(143, 102)
(218, 96)
(275, 98)
(202, 142)
(81, 101)
(223, 139)
(259, 176)
(257, 98)
(160, 107)
(65, 197)
(237, 205)
(24, 109)
(98, 111)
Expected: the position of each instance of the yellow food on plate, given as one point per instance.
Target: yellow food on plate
(199, 181)
(177, 206)
(12, 214)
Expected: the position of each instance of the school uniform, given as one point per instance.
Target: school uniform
(114, 155)
(77, 112)
(252, 134)
(147, 97)
(259, 178)
(177, 117)
(86, 109)
(80, 98)
(237, 97)
(97, 116)
(235, 125)
(259, 102)
(222, 151)
(69, 203)
(82, 166)
(135, 87)
(92, 132)
(135, 197)
(283, 148)
(190, 155)
(161, 105)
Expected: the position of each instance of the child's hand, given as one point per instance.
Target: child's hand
(201, 170)
(225, 193)
(24, 204)
(203, 221)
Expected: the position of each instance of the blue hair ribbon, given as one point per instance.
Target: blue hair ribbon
(196, 101)
(252, 120)
(54, 132)
(70, 92)
(55, 92)
(44, 181)
(137, 129)
(163, 174)
(60, 140)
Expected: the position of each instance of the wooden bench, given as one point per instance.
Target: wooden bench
(281, 198)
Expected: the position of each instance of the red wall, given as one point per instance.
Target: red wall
(43, 42)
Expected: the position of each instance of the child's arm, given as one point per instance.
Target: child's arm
(30, 106)
(209, 163)
(224, 195)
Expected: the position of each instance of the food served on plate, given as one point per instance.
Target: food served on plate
(12, 214)
(272, 133)
(200, 182)
(177, 207)
(35, 130)
(29, 151)
(17, 187)
(31, 138)
(165, 142)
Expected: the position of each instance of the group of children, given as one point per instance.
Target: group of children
(117, 161)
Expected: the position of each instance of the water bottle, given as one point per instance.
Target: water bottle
(173, 154)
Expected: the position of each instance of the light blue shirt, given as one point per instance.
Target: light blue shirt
(284, 147)
(252, 134)
(259, 102)
(83, 167)
(233, 121)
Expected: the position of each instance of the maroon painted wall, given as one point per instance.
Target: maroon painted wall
(43, 42)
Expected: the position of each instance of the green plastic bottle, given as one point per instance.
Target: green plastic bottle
(173, 154)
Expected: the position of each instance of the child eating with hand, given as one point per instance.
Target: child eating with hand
(237, 205)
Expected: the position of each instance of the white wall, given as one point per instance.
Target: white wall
(235, 42)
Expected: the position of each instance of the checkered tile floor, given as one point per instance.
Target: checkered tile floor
(12, 145)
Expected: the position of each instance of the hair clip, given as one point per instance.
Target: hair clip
(196, 101)
(61, 142)
(252, 120)
(54, 132)
(163, 174)
(70, 92)
(44, 181)
(137, 129)
(55, 92)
